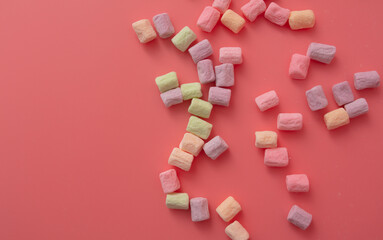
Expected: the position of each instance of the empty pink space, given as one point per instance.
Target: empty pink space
(84, 132)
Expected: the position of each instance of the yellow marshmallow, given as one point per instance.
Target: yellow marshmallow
(228, 209)
(177, 201)
(336, 118)
(266, 139)
(301, 19)
(233, 21)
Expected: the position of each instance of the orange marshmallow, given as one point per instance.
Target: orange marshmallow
(228, 209)
(236, 231)
(301, 19)
(144, 30)
(233, 21)
(181, 159)
(266, 139)
(336, 118)
(192, 144)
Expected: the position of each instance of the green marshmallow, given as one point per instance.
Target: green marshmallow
(200, 108)
(184, 38)
(177, 201)
(191, 90)
(199, 127)
(167, 81)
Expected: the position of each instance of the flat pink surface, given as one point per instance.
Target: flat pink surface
(84, 133)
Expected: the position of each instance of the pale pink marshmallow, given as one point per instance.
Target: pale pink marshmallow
(163, 25)
(252, 9)
(276, 157)
(356, 108)
(221, 5)
(169, 181)
(215, 147)
(224, 75)
(276, 14)
(201, 51)
(316, 98)
(290, 121)
(342, 93)
(321, 52)
(230, 55)
(297, 183)
(208, 19)
(219, 96)
(199, 209)
(363, 80)
(299, 217)
(205, 71)
(299, 66)
(267, 100)
(172, 97)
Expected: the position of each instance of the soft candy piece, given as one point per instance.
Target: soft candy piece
(181, 159)
(356, 108)
(297, 183)
(276, 157)
(172, 97)
(205, 71)
(200, 108)
(267, 100)
(236, 231)
(191, 90)
(201, 51)
(199, 209)
(221, 5)
(316, 98)
(301, 19)
(230, 55)
(167, 81)
(252, 9)
(276, 14)
(215, 147)
(233, 21)
(363, 80)
(169, 181)
(177, 201)
(184, 38)
(336, 118)
(342, 93)
(219, 96)
(163, 25)
(208, 19)
(299, 217)
(299, 66)
(321, 52)
(192, 144)
(144, 30)
(199, 127)
(290, 121)
(228, 209)
(266, 139)
(224, 75)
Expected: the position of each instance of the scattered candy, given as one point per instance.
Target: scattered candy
(290, 121)
(169, 181)
(205, 71)
(201, 51)
(336, 118)
(200, 108)
(301, 19)
(266, 139)
(276, 14)
(299, 66)
(191, 90)
(208, 19)
(183, 39)
(363, 80)
(321, 52)
(181, 159)
(177, 201)
(215, 147)
(252, 9)
(231, 55)
(199, 209)
(276, 157)
(316, 98)
(144, 30)
(356, 108)
(221, 5)
(342, 93)
(192, 144)
(233, 21)
(299, 217)
(267, 100)
(199, 127)
(228, 209)
(224, 75)
(163, 25)
(219, 96)
(297, 183)
(236, 231)
(172, 97)
(167, 82)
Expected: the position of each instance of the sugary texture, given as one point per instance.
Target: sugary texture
(200, 108)
(336, 118)
(342, 93)
(208, 19)
(267, 100)
(252, 9)
(167, 81)
(316, 98)
(299, 66)
(191, 90)
(228, 209)
(297, 183)
(221, 5)
(290, 121)
(184, 38)
(321, 52)
(205, 71)
(192, 144)
(172, 97)
(363, 80)
(181, 159)
(201, 51)
(224, 75)
(266, 139)
(301, 19)
(163, 25)
(144, 30)
(199, 127)
(276, 14)
(299, 217)
(199, 209)
(177, 201)
(276, 157)
(230, 55)
(356, 108)
(219, 96)
(169, 181)
(215, 147)
(233, 21)
(236, 231)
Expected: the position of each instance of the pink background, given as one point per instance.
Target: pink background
(84, 133)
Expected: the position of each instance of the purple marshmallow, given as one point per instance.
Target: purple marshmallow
(224, 75)
(205, 71)
(172, 97)
(299, 217)
(163, 25)
(342, 93)
(201, 51)
(363, 80)
(199, 209)
(219, 96)
(215, 147)
(316, 98)
(356, 108)
(321, 52)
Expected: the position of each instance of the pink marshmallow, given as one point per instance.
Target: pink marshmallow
(201, 51)
(199, 209)
(172, 97)
(299, 66)
(321, 52)
(215, 147)
(290, 121)
(208, 19)
(230, 55)
(267, 100)
(221, 5)
(316, 98)
(297, 183)
(356, 108)
(363, 80)
(342, 93)
(169, 181)
(219, 96)
(252, 9)
(224, 75)
(163, 25)
(276, 157)
(299, 217)
(276, 14)
(205, 71)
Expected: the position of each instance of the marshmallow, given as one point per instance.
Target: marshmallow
(181, 159)
(252, 9)
(301, 19)
(290, 121)
(363, 80)
(205, 71)
(228, 209)
(342, 93)
(267, 100)
(191, 90)
(163, 25)
(172, 97)
(316, 98)
(299, 66)
(169, 181)
(183, 39)
(299, 217)
(221, 5)
(233, 21)
(200, 108)
(215, 147)
(199, 127)
(201, 51)
(224, 75)
(276, 157)
(208, 19)
(230, 55)
(321, 52)
(177, 201)
(336, 118)
(167, 82)
(192, 144)
(144, 30)
(297, 183)
(356, 108)
(266, 139)
(276, 14)
(236, 231)
(199, 209)
(219, 96)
